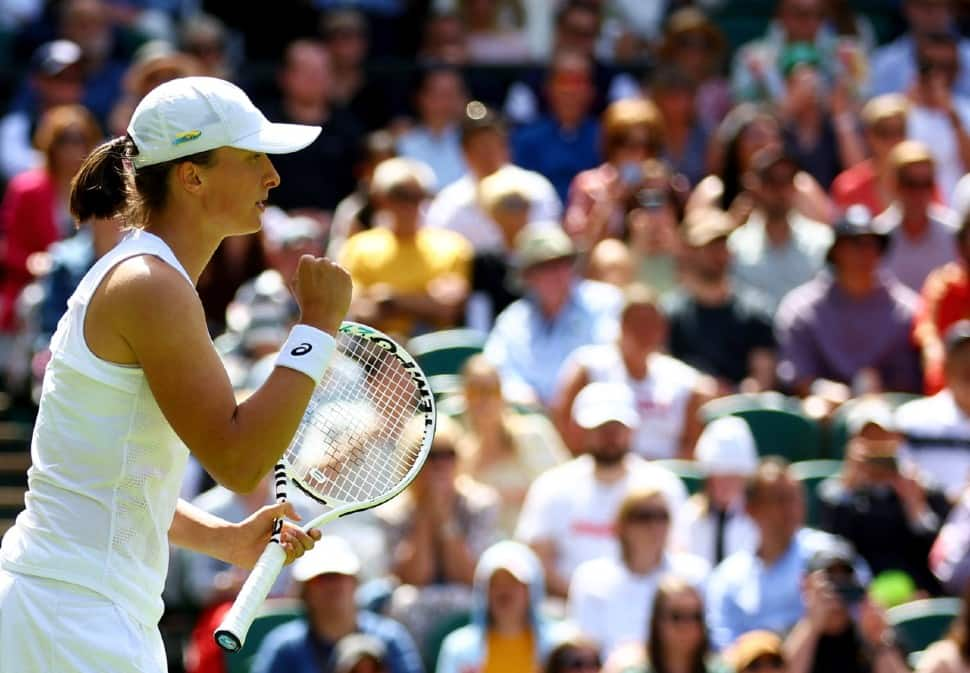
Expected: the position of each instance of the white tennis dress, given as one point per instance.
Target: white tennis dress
(82, 570)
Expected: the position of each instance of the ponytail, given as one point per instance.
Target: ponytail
(101, 187)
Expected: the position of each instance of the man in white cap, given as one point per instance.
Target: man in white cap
(328, 582)
(713, 524)
(570, 510)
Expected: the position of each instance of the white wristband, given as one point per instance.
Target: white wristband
(307, 350)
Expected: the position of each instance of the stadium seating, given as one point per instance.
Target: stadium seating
(779, 426)
(687, 470)
(921, 623)
(838, 433)
(810, 473)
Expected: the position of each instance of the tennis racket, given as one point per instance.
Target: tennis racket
(363, 438)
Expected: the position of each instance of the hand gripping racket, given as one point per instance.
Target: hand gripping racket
(365, 435)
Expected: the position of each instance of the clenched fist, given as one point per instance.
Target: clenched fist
(322, 290)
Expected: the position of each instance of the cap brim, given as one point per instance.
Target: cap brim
(588, 421)
(278, 138)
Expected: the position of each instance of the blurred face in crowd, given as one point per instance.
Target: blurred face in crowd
(404, 201)
(486, 152)
(653, 228)
(347, 45)
(779, 508)
(710, 263)
(724, 490)
(681, 621)
(761, 133)
(441, 98)
(801, 19)
(676, 103)
(938, 64)
(578, 30)
(915, 184)
(307, 77)
(64, 88)
(857, 254)
(69, 149)
(550, 283)
(330, 597)
(643, 329)
(438, 473)
(610, 262)
(695, 52)
(508, 599)
(883, 135)
(482, 390)
(644, 528)
(956, 371)
(928, 16)
(86, 23)
(774, 189)
(444, 40)
(804, 86)
(608, 443)
(570, 90)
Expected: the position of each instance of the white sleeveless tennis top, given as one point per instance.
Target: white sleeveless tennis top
(661, 396)
(106, 466)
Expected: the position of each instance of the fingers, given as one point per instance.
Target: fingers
(295, 541)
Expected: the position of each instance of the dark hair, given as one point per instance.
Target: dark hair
(108, 185)
(732, 129)
(670, 586)
(556, 659)
(478, 119)
(577, 5)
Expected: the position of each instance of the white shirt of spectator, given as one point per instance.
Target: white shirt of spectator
(661, 396)
(456, 208)
(697, 530)
(937, 417)
(613, 605)
(569, 507)
(933, 127)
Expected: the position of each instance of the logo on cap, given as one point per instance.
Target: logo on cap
(186, 136)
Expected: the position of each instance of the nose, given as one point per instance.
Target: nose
(271, 178)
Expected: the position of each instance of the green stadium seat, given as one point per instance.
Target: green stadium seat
(810, 473)
(445, 352)
(921, 623)
(274, 612)
(837, 435)
(779, 426)
(436, 636)
(688, 471)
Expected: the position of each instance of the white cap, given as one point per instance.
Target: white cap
(189, 115)
(726, 446)
(601, 402)
(331, 554)
(869, 411)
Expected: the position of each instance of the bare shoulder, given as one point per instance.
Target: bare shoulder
(145, 288)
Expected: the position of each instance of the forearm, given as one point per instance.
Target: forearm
(457, 559)
(799, 647)
(887, 659)
(199, 531)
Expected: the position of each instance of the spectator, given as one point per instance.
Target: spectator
(576, 654)
(949, 654)
(34, 212)
(327, 577)
(850, 324)
(570, 510)
(237, 260)
(938, 116)
(714, 523)
(484, 142)
(652, 229)
(444, 40)
(760, 589)
(632, 131)
(494, 31)
(501, 448)
(840, 629)
(693, 42)
(558, 313)
(869, 182)
(563, 143)
(893, 67)
(667, 392)
(710, 303)
(746, 130)
(440, 101)
(507, 630)
(937, 429)
(777, 248)
(360, 653)
(55, 78)
(677, 638)
(435, 532)
(314, 181)
(685, 138)
(408, 278)
(205, 38)
(879, 505)
(757, 651)
(611, 261)
(611, 599)
(756, 73)
(945, 301)
(950, 555)
(921, 232)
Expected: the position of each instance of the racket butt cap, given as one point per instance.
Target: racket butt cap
(228, 641)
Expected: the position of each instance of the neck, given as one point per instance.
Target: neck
(773, 549)
(635, 361)
(551, 307)
(857, 284)
(777, 229)
(608, 474)
(644, 561)
(710, 292)
(915, 223)
(437, 126)
(678, 661)
(509, 625)
(569, 123)
(191, 246)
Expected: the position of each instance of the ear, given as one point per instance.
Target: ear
(189, 177)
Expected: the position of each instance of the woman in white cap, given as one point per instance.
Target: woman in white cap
(713, 524)
(134, 384)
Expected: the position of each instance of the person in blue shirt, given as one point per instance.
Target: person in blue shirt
(328, 581)
(566, 141)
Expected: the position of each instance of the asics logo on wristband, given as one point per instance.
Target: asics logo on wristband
(302, 349)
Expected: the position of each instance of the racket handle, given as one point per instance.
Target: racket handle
(231, 634)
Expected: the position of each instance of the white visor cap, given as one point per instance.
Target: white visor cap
(189, 115)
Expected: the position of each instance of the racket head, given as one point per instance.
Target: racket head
(368, 427)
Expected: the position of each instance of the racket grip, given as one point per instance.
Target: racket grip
(231, 634)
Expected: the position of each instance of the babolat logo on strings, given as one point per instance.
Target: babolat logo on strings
(186, 136)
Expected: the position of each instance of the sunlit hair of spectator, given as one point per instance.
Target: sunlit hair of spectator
(574, 655)
(63, 125)
(666, 633)
(632, 130)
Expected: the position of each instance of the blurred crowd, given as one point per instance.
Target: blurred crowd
(635, 211)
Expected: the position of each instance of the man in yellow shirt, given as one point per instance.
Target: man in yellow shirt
(407, 278)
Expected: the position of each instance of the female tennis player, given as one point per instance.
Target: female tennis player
(134, 384)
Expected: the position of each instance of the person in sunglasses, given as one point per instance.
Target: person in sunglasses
(576, 654)
(611, 599)
(757, 652)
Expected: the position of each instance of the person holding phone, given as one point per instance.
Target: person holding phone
(879, 504)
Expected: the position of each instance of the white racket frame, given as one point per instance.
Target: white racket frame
(231, 633)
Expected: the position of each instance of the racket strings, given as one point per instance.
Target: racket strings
(354, 443)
